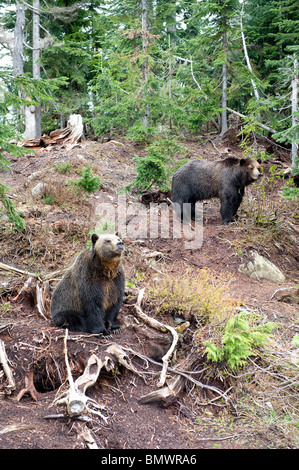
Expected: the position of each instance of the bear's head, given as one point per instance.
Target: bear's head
(108, 246)
(252, 169)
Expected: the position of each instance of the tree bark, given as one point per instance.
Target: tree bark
(18, 48)
(35, 60)
(224, 88)
(32, 112)
(294, 111)
(144, 8)
(255, 90)
(18, 51)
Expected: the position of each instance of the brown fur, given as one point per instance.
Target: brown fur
(89, 296)
(225, 179)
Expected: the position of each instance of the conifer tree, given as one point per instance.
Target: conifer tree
(216, 27)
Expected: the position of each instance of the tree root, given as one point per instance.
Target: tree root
(29, 388)
(78, 405)
(4, 361)
(159, 326)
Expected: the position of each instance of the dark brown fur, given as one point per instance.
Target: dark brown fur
(89, 295)
(225, 179)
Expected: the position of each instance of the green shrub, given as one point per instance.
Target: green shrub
(202, 296)
(63, 168)
(158, 166)
(229, 337)
(290, 191)
(48, 199)
(15, 217)
(238, 341)
(87, 182)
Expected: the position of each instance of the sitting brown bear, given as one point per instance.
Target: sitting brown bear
(225, 179)
(89, 295)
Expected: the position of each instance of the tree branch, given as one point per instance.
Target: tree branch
(258, 123)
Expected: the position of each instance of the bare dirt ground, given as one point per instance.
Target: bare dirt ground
(57, 230)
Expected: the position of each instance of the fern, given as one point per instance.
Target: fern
(238, 341)
(214, 353)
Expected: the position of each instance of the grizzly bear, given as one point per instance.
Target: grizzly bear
(224, 179)
(89, 296)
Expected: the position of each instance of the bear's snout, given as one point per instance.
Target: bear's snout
(120, 245)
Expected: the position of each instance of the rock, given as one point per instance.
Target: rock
(35, 174)
(4, 286)
(261, 268)
(82, 159)
(39, 189)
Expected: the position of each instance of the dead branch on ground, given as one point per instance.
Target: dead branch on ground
(77, 403)
(32, 276)
(4, 361)
(6, 267)
(162, 327)
(170, 392)
(42, 298)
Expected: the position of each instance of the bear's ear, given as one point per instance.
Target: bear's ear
(94, 238)
(259, 160)
(117, 234)
(242, 162)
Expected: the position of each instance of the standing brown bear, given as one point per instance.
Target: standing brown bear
(225, 179)
(90, 294)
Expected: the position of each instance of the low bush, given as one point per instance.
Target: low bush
(200, 296)
(225, 333)
(87, 182)
(158, 166)
(239, 338)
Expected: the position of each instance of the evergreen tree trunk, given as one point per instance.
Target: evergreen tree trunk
(171, 28)
(224, 88)
(35, 61)
(255, 90)
(170, 84)
(18, 51)
(294, 112)
(33, 113)
(144, 7)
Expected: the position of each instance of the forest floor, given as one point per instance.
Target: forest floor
(57, 229)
